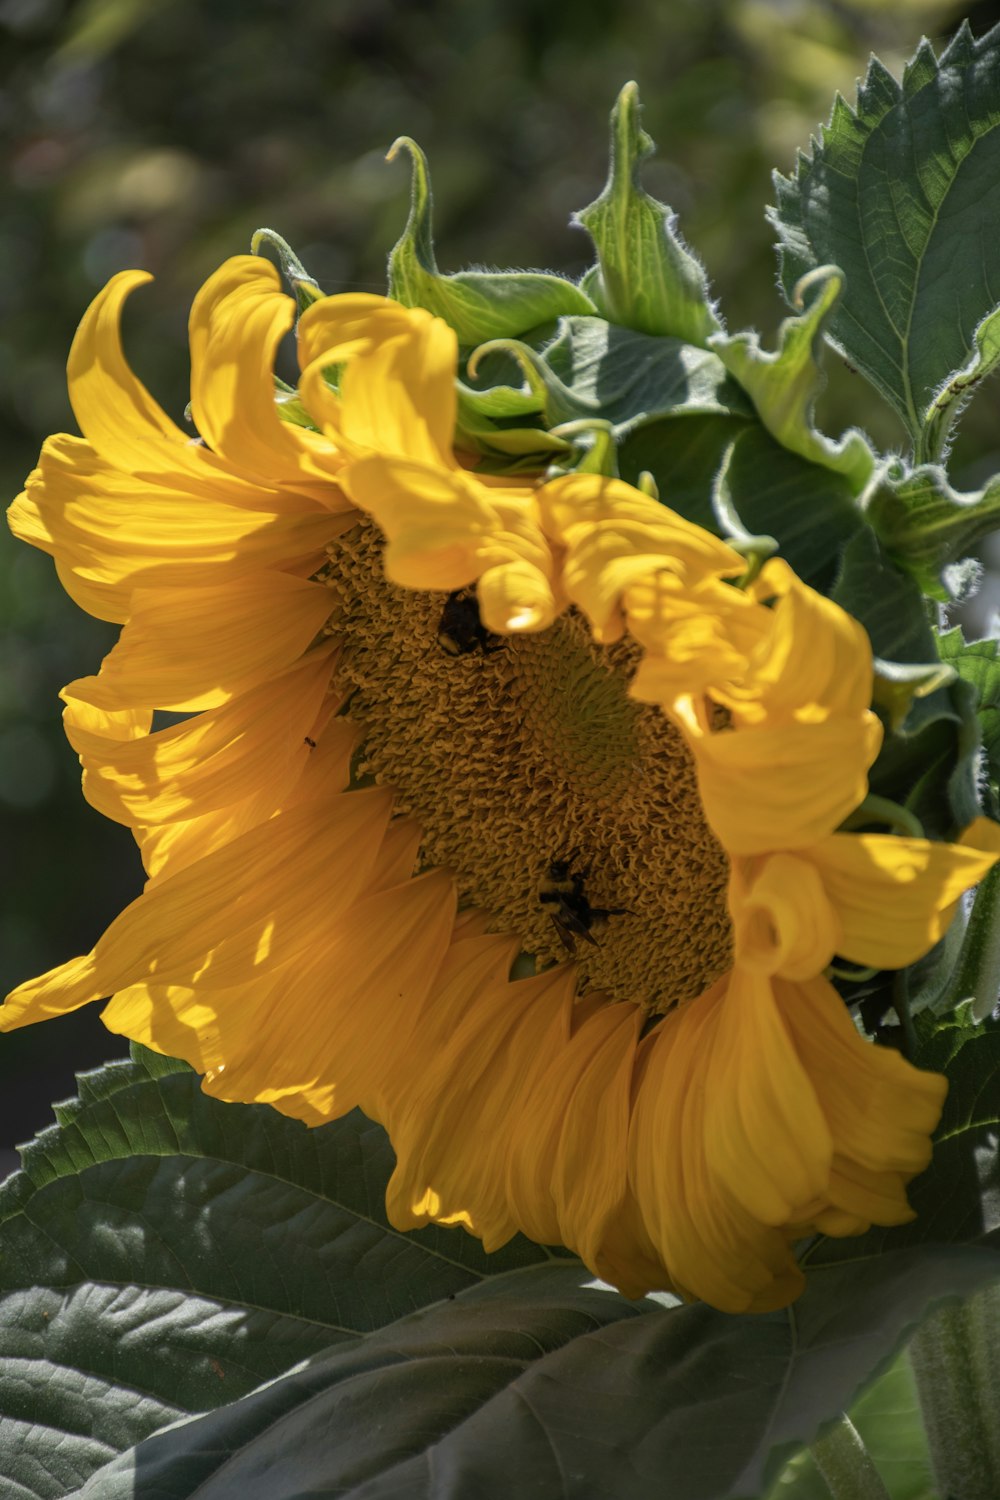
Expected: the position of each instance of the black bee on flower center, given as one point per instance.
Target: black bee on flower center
(563, 889)
(460, 630)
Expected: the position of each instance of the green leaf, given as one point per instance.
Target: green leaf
(929, 761)
(541, 1385)
(810, 509)
(478, 305)
(784, 386)
(684, 458)
(170, 1237)
(901, 195)
(890, 1422)
(593, 369)
(977, 663)
(646, 278)
(888, 602)
(162, 1253)
(589, 370)
(924, 524)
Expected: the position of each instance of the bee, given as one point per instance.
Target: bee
(460, 630)
(562, 887)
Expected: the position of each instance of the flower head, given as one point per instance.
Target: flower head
(345, 836)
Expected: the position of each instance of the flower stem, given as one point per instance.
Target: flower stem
(956, 1361)
(845, 1464)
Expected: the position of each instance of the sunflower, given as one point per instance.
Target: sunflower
(354, 838)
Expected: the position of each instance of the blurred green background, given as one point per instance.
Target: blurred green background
(161, 133)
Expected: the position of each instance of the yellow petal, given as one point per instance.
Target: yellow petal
(195, 648)
(238, 319)
(767, 1139)
(814, 664)
(616, 538)
(783, 922)
(445, 530)
(779, 787)
(397, 392)
(255, 902)
(895, 897)
(114, 409)
(452, 1136)
(576, 1118)
(118, 416)
(880, 1109)
(86, 514)
(862, 1197)
(321, 1039)
(208, 762)
(711, 1247)
(169, 847)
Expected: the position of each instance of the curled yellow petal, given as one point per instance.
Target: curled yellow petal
(783, 920)
(444, 530)
(397, 390)
(238, 319)
(616, 539)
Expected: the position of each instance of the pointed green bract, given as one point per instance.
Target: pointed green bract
(646, 278)
(925, 525)
(306, 288)
(784, 386)
(901, 194)
(478, 305)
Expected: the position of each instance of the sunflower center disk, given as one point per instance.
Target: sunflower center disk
(530, 753)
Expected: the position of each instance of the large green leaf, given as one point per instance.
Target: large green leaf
(902, 195)
(162, 1253)
(808, 508)
(540, 1386)
(166, 1252)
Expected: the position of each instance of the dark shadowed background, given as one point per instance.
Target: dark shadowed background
(161, 133)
